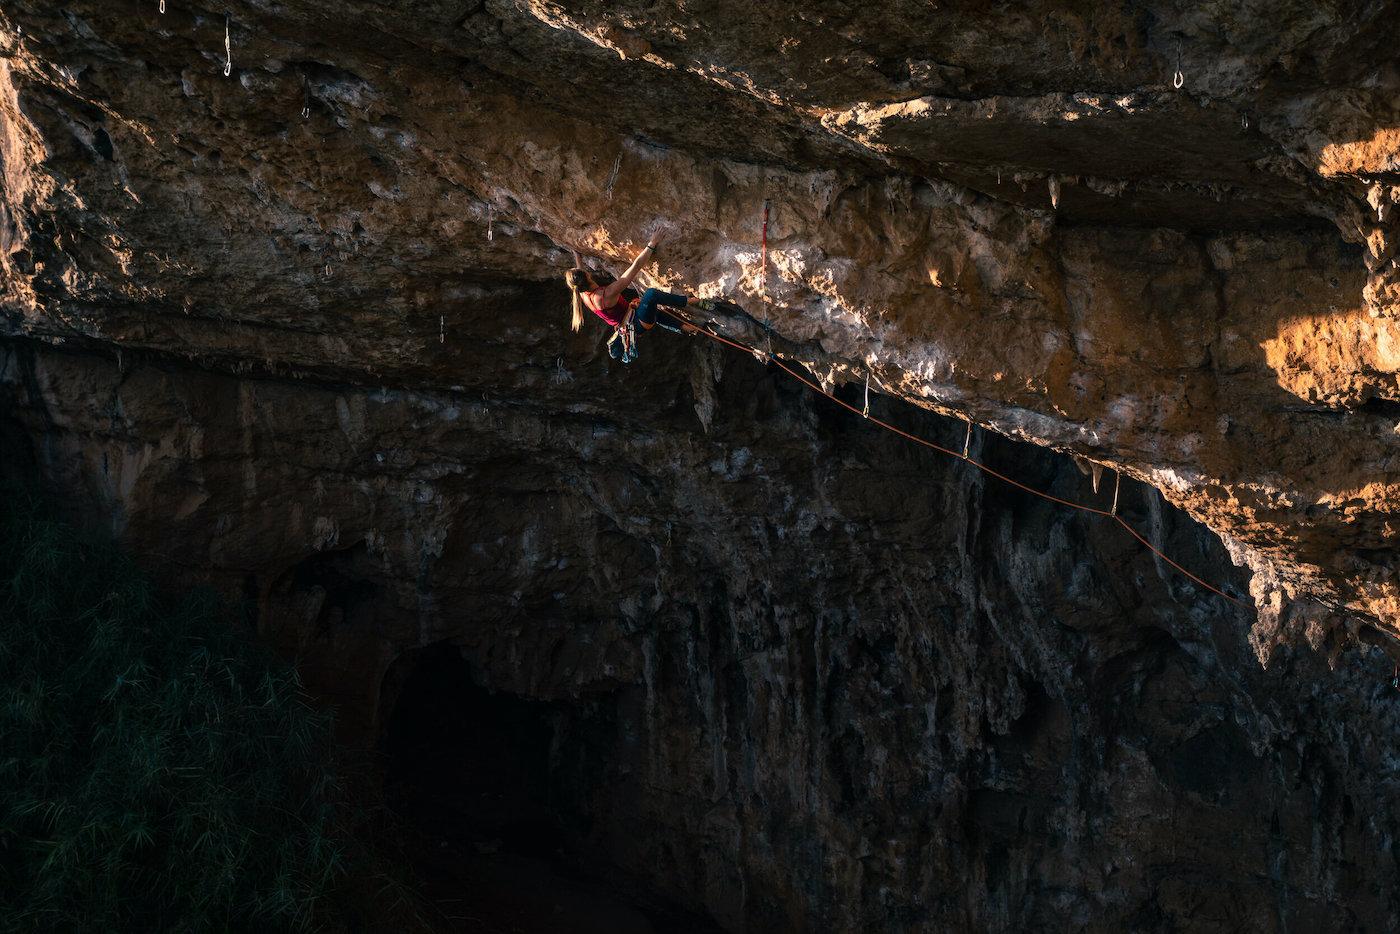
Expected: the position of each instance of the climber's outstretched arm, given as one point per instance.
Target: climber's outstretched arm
(612, 291)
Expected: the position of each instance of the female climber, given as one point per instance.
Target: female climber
(620, 306)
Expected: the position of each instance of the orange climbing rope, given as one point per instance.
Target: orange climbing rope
(975, 463)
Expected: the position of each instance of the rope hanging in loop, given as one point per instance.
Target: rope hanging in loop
(923, 442)
(1117, 479)
(162, 6)
(1178, 79)
(228, 50)
(967, 440)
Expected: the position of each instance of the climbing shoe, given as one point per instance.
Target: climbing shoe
(707, 305)
(615, 347)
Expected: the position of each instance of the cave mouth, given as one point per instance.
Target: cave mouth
(474, 778)
(468, 764)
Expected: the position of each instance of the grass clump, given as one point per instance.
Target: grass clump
(157, 770)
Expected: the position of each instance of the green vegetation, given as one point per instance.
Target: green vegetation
(157, 771)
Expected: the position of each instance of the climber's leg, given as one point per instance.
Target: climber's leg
(646, 308)
(670, 322)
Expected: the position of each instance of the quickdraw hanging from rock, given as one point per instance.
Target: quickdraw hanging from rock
(967, 440)
(162, 6)
(1117, 479)
(442, 329)
(865, 413)
(490, 222)
(612, 176)
(1178, 79)
(228, 50)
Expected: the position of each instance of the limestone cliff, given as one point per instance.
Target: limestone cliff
(298, 329)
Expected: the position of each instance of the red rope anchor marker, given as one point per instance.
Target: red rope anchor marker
(763, 261)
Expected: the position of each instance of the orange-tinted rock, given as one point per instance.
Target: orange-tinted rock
(382, 199)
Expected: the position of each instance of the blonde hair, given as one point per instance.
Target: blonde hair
(577, 279)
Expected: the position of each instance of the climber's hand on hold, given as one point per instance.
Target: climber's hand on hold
(660, 231)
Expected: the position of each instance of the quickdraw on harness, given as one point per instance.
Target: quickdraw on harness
(623, 343)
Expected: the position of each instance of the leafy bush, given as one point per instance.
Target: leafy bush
(157, 771)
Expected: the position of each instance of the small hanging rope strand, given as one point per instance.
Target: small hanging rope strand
(967, 440)
(1050, 497)
(1117, 479)
(866, 412)
(228, 50)
(612, 176)
(442, 329)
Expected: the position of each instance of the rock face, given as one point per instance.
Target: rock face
(298, 331)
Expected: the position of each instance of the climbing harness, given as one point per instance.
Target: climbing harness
(1178, 79)
(967, 439)
(1117, 479)
(612, 176)
(865, 413)
(228, 50)
(626, 335)
(1092, 510)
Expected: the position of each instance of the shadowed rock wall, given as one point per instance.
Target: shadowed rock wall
(803, 675)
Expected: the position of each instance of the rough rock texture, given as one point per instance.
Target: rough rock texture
(298, 331)
(816, 680)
